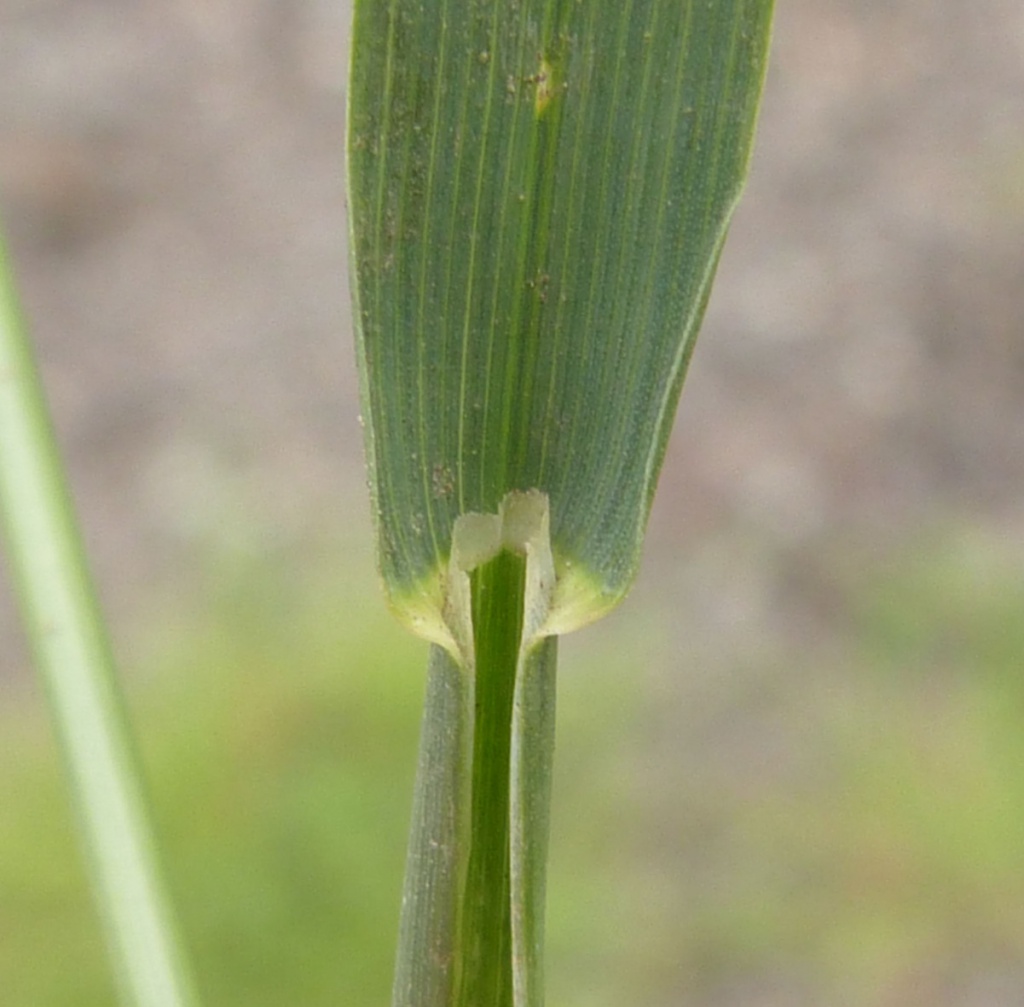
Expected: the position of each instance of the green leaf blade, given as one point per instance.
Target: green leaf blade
(539, 194)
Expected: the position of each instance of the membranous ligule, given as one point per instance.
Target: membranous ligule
(559, 597)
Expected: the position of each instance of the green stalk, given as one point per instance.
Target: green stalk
(472, 921)
(428, 941)
(533, 746)
(486, 975)
(73, 654)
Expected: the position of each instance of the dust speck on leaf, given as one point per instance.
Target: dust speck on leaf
(442, 482)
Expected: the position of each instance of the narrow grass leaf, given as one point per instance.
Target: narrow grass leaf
(73, 653)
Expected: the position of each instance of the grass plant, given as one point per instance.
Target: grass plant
(538, 194)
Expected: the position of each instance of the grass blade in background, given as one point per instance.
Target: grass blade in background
(539, 192)
(73, 654)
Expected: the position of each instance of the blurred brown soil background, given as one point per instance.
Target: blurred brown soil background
(171, 178)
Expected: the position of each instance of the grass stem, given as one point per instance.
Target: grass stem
(472, 915)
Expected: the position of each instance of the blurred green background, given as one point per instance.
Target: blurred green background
(790, 769)
(835, 825)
